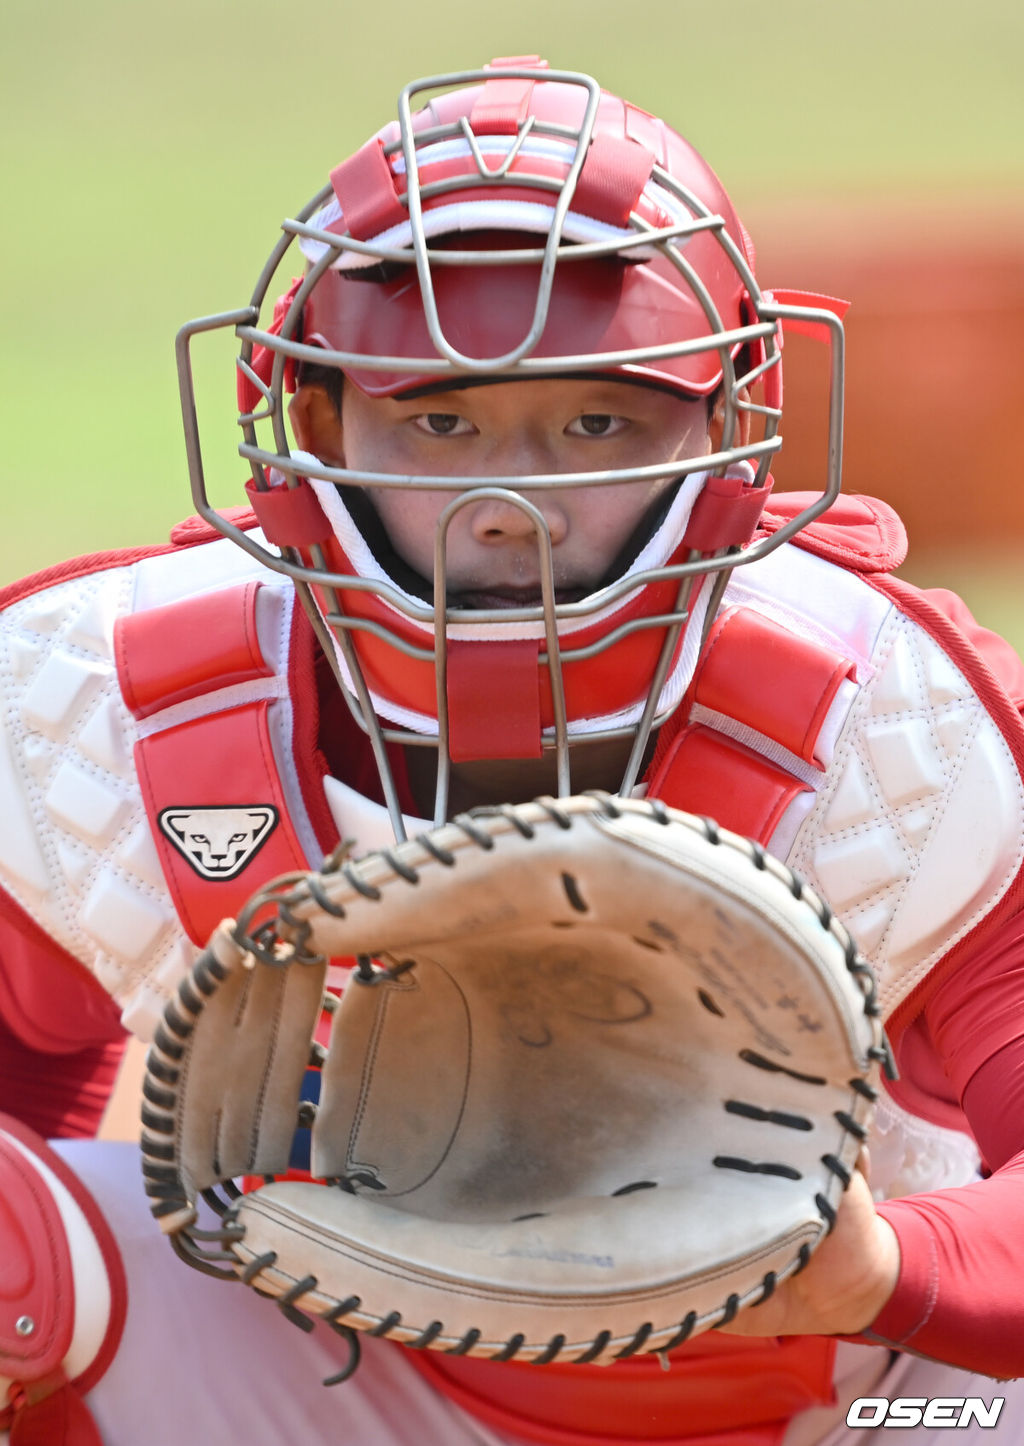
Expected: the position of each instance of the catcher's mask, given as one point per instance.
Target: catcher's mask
(523, 223)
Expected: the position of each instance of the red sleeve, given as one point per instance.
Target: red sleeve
(962, 1274)
(47, 997)
(60, 1038)
(60, 1096)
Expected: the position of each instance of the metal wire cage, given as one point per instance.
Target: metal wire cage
(486, 163)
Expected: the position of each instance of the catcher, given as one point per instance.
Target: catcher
(509, 534)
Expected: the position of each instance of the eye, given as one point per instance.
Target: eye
(596, 424)
(443, 424)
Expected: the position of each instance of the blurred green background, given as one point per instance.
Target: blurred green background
(150, 153)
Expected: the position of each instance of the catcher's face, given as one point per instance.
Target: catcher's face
(505, 431)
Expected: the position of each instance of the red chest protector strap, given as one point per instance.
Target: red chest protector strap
(210, 782)
(770, 681)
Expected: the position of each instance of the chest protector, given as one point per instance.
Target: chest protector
(154, 774)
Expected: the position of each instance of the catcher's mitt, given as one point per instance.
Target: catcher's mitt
(597, 1082)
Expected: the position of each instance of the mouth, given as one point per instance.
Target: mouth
(505, 598)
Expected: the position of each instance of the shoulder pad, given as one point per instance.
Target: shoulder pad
(88, 564)
(77, 853)
(860, 533)
(187, 533)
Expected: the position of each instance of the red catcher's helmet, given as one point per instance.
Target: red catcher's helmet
(522, 223)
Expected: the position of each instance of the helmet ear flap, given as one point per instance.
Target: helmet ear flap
(773, 374)
(817, 330)
(249, 391)
(753, 360)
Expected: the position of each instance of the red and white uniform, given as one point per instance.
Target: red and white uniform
(172, 740)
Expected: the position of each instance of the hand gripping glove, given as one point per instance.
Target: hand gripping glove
(597, 1082)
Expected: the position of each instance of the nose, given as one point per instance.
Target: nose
(522, 447)
(496, 521)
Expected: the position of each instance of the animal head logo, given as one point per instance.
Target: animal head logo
(218, 842)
